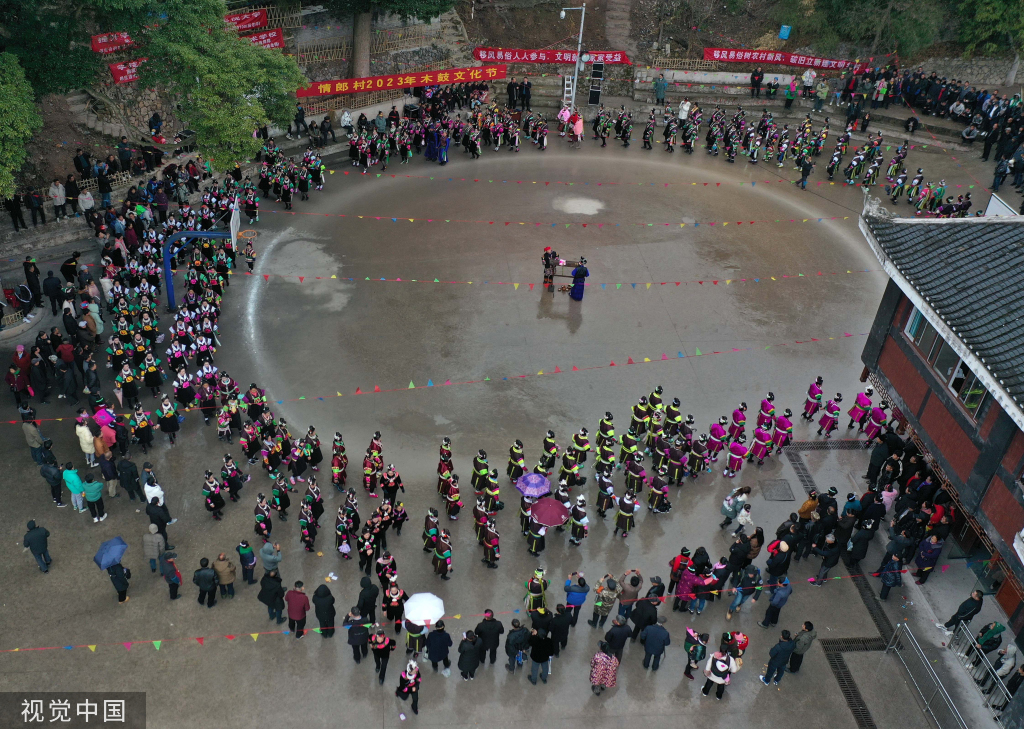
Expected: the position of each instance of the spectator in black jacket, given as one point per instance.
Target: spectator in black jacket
(560, 629)
(829, 553)
(541, 649)
(358, 632)
(617, 635)
(517, 640)
(14, 205)
(52, 288)
(35, 542)
(272, 595)
(205, 578)
(489, 631)
(645, 613)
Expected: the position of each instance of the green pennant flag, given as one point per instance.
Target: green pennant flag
(487, 379)
(156, 644)
(436, 281)
(618, 286)
(698, 352)
(411, 386)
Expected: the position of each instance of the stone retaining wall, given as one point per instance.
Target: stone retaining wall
(977, 71)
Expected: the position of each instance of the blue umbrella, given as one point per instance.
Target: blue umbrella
(110, 552)
(533, 485)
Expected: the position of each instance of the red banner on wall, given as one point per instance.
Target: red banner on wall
(125, 73)
(110, 42)
(742, 55)
(248, 21)
(520, 55)
(404, 80)
(268, 38)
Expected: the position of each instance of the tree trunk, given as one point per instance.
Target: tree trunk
(1011, 75)
(361, 45)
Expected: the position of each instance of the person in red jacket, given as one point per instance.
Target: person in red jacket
(298, 606)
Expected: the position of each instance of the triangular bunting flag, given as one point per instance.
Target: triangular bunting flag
(618, 286)
(698, 352)
(516, 286)
(603, 285)
(664, 356)
(575, 368)
(630, 361)
(447, 382)
(541, 372)
(430, 383)
(255, 636)
(647, 359)
(301, 279)
(531, 287)
(376, 388)
(358, 391)
(230, 637)
(557, 369)
(633, 285)
(156, 644)
(127, 646)
(339, 394)
(411, 386)
(266, 277)
(92, 648)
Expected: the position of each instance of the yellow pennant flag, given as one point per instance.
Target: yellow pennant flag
(254, 636)
(334, 277)
(457, 616)
(647, 359)
(516, 286)
(648, 286)
(92, 648)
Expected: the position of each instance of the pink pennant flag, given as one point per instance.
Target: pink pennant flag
(557, 369)
(376, 388)
(664, 356)
(127, 646)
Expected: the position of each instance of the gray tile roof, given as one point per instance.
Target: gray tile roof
(972, 275)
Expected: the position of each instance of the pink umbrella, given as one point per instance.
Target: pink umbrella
(549, 512)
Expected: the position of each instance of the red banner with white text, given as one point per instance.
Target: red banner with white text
(110, 42)
(248, 21)
(404, 80)
(520, 55)
(781, 58)
(268, 38)
(127, 72)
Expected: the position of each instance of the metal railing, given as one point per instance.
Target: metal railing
(337, 48)
(973, 658)
(686, 64)
(936, 701)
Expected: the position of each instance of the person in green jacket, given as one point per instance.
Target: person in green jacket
(660, 86)
(74, 483)
(790, 93)
(94, 498)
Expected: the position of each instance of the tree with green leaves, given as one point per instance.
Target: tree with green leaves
(991, 26)
(362, 11)
(223, 85)
(18, 120)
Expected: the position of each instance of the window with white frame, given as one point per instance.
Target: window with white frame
(963, 384)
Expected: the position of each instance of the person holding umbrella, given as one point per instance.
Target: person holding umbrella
(108, 557)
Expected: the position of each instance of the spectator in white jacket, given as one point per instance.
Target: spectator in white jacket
(60, 200)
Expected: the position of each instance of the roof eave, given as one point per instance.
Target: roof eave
(973, 362)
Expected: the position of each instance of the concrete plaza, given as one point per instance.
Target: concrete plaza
(309, 340)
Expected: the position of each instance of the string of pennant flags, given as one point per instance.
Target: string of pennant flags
(613, 286)
(557, 370)
(231, 637)
(695, 224)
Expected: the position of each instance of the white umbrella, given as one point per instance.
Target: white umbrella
(424, 608)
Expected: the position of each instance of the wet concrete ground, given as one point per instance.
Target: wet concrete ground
(318, 338)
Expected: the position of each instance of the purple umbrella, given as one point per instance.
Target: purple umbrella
(533, 485)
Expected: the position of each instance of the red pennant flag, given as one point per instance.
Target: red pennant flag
(230, 637)
(547, 183)
(506, 223)
(718, 184)
(447, 382)
(705, 184)
(575, 368)
(358, 391)
(584, 225)
(200, 640)
(301, 278)
(557, 369)
(715, 283)
(678, 282)
(701, 283)
(376, 388)
(630, 361)
(531, 287)
(266, 277)
(346, 173)
(612, 364)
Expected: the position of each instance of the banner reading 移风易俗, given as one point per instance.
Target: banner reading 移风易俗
(781, 58)
(268, 38)
(520, 55)
(404, 80)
